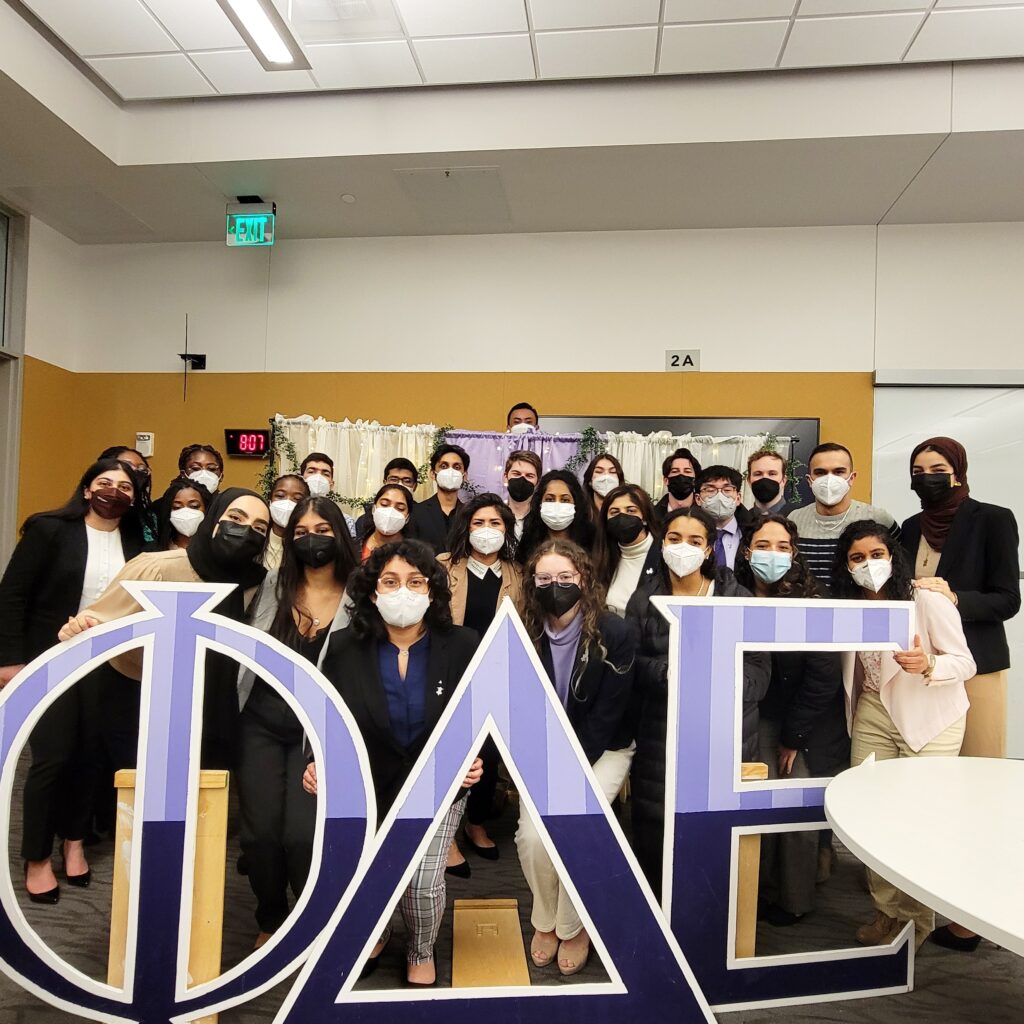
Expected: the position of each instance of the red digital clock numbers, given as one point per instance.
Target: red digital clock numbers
(253, 444)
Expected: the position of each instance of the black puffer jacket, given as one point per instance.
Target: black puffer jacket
(647, 778)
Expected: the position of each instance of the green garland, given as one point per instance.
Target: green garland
(591, 445)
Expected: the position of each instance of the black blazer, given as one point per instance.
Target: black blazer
(42, 586)
(432, 524)
(981, 565)
(352, 666)
(599, 698)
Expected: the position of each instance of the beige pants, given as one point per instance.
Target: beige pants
(874, 732)
(552, 909)
(986, 720)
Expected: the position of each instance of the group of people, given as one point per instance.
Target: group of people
(388, 605)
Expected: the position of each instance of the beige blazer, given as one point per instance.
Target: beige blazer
(922, 708)
(458, 572)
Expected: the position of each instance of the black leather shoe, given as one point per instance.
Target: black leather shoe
(961, 943)
(48, 898)
(462, 870)
(486, 852)
(78, 881)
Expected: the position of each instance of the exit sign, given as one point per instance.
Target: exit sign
(250, 224)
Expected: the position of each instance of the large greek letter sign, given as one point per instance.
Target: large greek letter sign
(708, 808)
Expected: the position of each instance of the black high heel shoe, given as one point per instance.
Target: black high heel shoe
(78, 881)
(486, 852)
(462, 870)
(49, 898)
(374, 961)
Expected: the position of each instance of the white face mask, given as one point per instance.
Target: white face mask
(449, 479)
(281, 511)
(403, 607)
(522, 428)
(603, 484)
(318, 485)
(186, 520)
(683, 559)
(830, 489)
(720, 507)
(388, 521)
(557, 515)
(873, 574)
(207, 478)
(487, 540)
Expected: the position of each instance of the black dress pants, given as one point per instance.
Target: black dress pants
(278, 816)
(480, 804)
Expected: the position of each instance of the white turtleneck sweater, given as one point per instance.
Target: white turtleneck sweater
(627, 575)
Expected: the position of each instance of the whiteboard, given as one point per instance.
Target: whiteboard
(989, 423)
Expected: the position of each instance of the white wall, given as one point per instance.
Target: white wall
(775, 299)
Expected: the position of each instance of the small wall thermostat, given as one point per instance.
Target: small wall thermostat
(144, 442)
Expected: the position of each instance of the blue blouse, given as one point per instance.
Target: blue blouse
(406, 698)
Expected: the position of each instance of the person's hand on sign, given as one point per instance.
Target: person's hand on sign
(936, 584)
(473, 776)
(309, 778)
(77, 624)
(914, 661)
(786, 759)
(7, 673)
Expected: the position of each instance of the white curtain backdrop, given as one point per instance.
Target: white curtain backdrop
(360, 450)
(641, 455)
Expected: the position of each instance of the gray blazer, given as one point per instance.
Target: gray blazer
(261, 616)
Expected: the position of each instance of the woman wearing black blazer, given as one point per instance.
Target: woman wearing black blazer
(967, 550)
(396, 667)
(64, 560)
(588, 656)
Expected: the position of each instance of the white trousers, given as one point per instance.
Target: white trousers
(552, 909)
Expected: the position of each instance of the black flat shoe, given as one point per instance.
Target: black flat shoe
(370, 966)
(486, 852)
(777, 917)
(462, 870)
(48, 898)
(421, 984)
(961, 943)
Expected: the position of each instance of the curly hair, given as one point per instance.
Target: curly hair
(458, 536)
(591, 601)
(607, 553)
(898, 587)
(535, 532)
(190, 449)
(366, 622)
(798, 581)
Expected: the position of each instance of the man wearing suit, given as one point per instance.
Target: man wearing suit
(717, 490)
(448, 467)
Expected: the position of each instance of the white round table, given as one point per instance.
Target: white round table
(948, 831)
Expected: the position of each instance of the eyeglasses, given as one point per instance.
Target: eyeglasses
(404, 481)
(709, 491)
(389, 584)
(563, 579)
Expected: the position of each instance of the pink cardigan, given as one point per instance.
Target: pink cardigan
(921, 708)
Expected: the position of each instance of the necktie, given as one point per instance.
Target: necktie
(720, 559)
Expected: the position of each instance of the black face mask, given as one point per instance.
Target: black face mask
(235, 544)
(520, 489)
(315, 549)
(931, 488)
(680, 487)
(557, 600)
(624, 528)
(766, 490)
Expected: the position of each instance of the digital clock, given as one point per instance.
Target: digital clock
(250, 444)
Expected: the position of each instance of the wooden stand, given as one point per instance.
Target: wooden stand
(208, 884)
(748, 874)
(487, 945)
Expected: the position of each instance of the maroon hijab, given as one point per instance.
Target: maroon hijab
(937, 519)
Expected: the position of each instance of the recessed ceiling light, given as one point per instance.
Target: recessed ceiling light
(347, 197)
(260, 24)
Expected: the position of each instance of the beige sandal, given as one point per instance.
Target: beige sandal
(540, 956)
(569, 955)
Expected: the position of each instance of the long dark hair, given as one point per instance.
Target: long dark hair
(607, 553)
(165, 531)
(588, 473)
(798, 581)
(898, 587)
(291, 576)
(708, 568)
(366, 622)
(458, 537)
(408, 531)
(76, 507)
(581, 529)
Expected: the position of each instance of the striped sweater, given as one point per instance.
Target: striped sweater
(819, 535)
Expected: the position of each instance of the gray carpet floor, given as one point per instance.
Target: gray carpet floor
(986, 987)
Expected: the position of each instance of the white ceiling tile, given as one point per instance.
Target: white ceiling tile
(475, 59)
(969, 35)
(196, 24)
(727, 10)
(462, 17)
(100, 27)
(159, 76)
(234, 72)
(377, 65)
(338, 21)
(860, 6)
(861, 39)
(549, 14)
(734, 46)
(598, 53)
